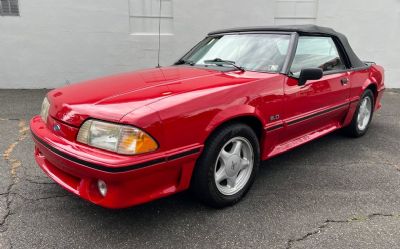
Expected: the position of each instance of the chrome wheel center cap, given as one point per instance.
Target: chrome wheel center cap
(233, 166)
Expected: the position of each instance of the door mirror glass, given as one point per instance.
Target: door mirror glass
(309, 74)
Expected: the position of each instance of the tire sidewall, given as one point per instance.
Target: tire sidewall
(211, 155)
(367, 93)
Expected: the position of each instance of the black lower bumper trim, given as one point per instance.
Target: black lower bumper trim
(118, 169)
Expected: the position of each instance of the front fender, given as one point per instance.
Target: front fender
(231, 113)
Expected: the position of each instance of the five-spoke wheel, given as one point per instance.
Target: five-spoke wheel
(364, 113)
(362, 116)
(227, 166)
(234, 165)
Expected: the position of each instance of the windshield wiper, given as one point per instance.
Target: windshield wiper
(187, 62)
(219, 61)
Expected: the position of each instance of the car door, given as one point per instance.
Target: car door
(319, 104)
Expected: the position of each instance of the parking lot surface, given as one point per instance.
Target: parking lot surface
(335, 192)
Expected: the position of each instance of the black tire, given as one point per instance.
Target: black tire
(352, 129)
(203, 181)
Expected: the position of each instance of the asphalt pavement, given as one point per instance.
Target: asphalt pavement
(335, 192)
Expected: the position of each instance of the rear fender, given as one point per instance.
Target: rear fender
(376, 80)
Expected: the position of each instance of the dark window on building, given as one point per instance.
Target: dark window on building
(9, 8)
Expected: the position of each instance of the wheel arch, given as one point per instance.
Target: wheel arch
(374, 88)
(221, 121)
(247, 115)
(252, 121)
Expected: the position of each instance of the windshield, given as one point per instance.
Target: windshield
(252, 52)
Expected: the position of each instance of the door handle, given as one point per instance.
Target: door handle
(344, 81)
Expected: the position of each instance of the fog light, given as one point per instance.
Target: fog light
(102, 186)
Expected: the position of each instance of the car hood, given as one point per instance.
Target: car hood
(111, 98)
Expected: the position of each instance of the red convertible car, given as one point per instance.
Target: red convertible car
(238, 97)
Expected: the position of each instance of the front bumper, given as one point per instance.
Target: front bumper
(130, 180)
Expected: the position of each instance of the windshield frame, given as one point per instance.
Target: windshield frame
(285, 67)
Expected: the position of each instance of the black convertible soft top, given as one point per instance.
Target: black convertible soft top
(305, 30)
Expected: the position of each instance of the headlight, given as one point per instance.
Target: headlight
(122, 139)
(44, 113)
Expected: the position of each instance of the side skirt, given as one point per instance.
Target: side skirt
(281, 148)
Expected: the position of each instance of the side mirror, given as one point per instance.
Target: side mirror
(309, 74)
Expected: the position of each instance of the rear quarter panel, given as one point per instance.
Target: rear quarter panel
(362, 79)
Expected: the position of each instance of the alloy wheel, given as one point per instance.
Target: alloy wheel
(234, 166)
(364, 113)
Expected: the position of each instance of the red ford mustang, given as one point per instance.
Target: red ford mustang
(238, 97)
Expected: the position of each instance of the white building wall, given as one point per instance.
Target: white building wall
(56, 42)
(373, 30)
